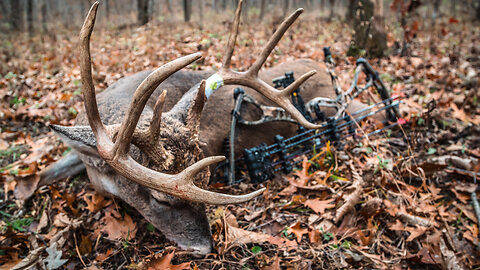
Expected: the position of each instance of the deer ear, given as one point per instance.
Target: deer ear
(195, 111)
(80, 138)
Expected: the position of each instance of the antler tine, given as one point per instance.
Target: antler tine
(140, 98)
(226, 76)
(219, 198)
(180, 185)
(154, 129)
(86, 75)
(233, 37)
(196, 108)
(292, 87)
(274, 39)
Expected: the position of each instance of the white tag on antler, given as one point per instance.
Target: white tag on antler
(213, 83)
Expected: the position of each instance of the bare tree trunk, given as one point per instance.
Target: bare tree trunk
(107, 9)
(83, 8)
(15, 15)
(3, 7)
(378, 17)
(453, 7)
(187, 10)
(478, 10)
(262, 9)
(350, 10)
(245, 10)
(214, 5)
(169, 6)
(286, 3)
(30, 25)
(142, 12)
(43, 11)
(200, 10)
(436, 7)
(369, 29)
(332, 9)
(151, 9)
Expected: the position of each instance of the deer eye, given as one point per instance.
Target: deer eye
(162, 203)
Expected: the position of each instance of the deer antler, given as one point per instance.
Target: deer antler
(116, 154)
(226, 76)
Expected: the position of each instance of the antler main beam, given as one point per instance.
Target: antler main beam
(116, 154)
(250, 77)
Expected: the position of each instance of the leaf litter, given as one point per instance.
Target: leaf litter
(403, 200)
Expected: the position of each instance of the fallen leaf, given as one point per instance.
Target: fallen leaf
(415, 232)
(390, 208)
(452, 20)
(294, 202)
(314, 235)
(319, 206)
(298, 231)
(26, 186)
(450, 260)
(103, 256)
(282, 243)
(254, 215)
(41, 148)
(43, 221)
(118, 228)
(54, 259)
(95, 202)
(85, 246)
(32, 258)
(238, 236)
(460, 114)
(61, 220)
(397, 226)
(165, 263)
(425, 257)
(274, 266)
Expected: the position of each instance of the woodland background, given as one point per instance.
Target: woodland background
(415, 195)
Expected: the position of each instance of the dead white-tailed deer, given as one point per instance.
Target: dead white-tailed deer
(155, 161)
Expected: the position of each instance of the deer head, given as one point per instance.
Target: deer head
(153, 160)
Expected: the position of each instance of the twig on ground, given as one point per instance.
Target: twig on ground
(476, 206)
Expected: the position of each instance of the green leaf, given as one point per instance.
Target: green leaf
(72, 111)
(256, 249)
(10, 75)
(150, 227)
(327, 236)
(66, 151)
(346, 244)
(5, 214)
(431, 151)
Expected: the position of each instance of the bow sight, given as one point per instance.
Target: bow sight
(263, 161)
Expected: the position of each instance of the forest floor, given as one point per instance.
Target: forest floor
(400, 200)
